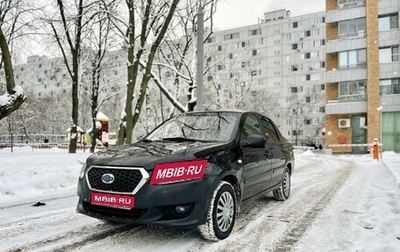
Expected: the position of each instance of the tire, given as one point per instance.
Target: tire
(283, 192)
(221, 213)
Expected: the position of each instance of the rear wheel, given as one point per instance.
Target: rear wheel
(221, 213)
(283, 192)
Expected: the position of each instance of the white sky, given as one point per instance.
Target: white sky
(236, 13)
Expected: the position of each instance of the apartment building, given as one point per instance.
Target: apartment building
(362, 74)
(277, 67)
(42, 76)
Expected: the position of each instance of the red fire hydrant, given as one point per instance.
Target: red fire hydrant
(375, 149)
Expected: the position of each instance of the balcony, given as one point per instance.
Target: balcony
(345, 14)
(389, 70)
(347, 44)
(335, 76)
(391, 102)
(389, 37)
(335, 107)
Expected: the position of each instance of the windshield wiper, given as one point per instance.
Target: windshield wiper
(179, 139)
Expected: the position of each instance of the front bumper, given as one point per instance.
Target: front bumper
(156, 204)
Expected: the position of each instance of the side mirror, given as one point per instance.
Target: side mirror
(253, 141)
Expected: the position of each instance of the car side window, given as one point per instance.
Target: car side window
(269, 130)
(251, 127)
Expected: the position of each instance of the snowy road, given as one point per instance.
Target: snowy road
(337, 204)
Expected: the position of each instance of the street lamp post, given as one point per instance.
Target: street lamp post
(200, 53)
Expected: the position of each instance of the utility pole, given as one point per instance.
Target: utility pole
(199, 54)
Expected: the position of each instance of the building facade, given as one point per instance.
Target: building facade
(276, 67)
(362, 74)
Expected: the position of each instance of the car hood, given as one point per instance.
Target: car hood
(147, 154)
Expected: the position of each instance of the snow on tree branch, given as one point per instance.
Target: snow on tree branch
(9, 102)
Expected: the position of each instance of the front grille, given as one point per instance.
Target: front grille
(126, 180)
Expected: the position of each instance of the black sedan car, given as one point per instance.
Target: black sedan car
(195, 169)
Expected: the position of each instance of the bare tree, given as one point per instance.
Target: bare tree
(178, 50)
(301, 109)
(69, 31)
(148, 31)
(101, 41)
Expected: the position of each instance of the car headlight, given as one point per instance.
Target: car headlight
(167, 173)
(82, 173)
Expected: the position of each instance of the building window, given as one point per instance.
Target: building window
(351, 3)
(308, 99)
(295, 46)
(230, 56)
(255, 32)
(308, 77)
(389, 54)
(232, 36)
(307, 33)
(209, 78)
(351, 59)
(294, 68)
(297, 132)
(322, 109)
(353, 90)
(220, 67)
(254, 52)
(295, 24)
(389, 86)
(352, 28)
(220, 48)
(243, 44)
(322, 87)
(293, 90)
(322, 41)
(211, 40)
(322, 64)
(388, 22)
(307, 55)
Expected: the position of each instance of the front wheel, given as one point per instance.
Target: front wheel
(283, 192)
(221, 213)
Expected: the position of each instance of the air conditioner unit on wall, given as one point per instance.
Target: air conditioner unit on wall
(344, 123)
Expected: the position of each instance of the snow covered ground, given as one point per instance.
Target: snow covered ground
(338, 203)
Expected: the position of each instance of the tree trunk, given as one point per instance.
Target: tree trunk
(15, 99)
(150, 59)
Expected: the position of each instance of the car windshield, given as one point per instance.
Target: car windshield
(201, 126)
